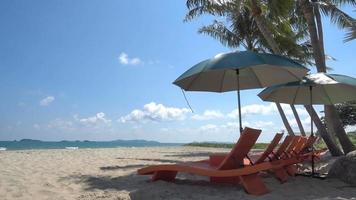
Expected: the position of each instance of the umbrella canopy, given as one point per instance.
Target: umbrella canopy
(326, 89)
(256, 70)
(240, 70)
(320, 88)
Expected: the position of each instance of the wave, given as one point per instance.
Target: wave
(72, 148)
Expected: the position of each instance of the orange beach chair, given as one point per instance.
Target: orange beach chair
(231, 166)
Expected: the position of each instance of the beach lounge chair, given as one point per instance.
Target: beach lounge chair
(304, 153)
(231, 166)
(256, 158)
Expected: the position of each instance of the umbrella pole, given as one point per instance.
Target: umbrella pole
(238, 99)
(311, 129)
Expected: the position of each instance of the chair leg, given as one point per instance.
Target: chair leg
(164, 175)
(292, 170)
(281, 174)
(253, 184)
(228, 180)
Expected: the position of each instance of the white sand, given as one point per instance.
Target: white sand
(111, 174)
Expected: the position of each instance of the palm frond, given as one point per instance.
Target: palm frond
(351, 34)
(219, 31)
(337, 16)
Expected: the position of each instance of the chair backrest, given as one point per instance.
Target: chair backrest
(293, 144)
(286, 142)
(237, 154)
(299, 146)
(269, 148)
(308, 144)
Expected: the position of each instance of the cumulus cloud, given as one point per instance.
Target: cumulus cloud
(76, 123)
(155, 112)
(126, 60)
(208, 114)
(262, 109)
(96, 120)
(234, 126)
(47, 101)
(305, 122)
(209, 128)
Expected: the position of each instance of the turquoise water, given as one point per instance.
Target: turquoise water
(37, 144)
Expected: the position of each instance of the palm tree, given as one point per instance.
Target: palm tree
(311, 12)
(276, 11)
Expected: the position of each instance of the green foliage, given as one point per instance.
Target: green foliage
(238, 27)
(347, 113)
(321, 144)
(332, 9)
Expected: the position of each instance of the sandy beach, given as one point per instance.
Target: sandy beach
(111, 174)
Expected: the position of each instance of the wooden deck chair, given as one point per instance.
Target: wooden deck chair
(282, 148)
(231, 166)
(303, 154)
(295, 152)
(256, 158)
(289, 150)
(268, 151)
(280, 173)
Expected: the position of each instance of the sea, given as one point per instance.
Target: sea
(28, 144)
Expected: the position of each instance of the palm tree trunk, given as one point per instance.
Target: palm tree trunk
(267, 34)
(337, 128)
(332, 118)
(334, 150)
(284, 119)
(309, 17)
(320, 30)
(296, 116)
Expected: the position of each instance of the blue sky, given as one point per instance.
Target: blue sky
(102, 70)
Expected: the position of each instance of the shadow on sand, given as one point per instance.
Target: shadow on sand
(117, 167)
(151, 159)
(192, 187)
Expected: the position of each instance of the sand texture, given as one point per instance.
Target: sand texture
(103, 174)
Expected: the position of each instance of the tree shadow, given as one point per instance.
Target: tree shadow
(151, 159)
(117, 167)
(188, 186)
(190, 155)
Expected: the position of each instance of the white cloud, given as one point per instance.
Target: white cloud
(97, 120)
(47, 101)
(208, 114)
(209, 128)
(269, 109)
(126, 60)
(305, 122)
(350, 128)
(254, 109)
(36, 126)
(155, 112)
(288, 110)
(89, 124)
(234, 126)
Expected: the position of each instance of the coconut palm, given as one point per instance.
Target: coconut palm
(331, 8)
(276, 11)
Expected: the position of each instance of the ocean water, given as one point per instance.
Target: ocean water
(27, 144)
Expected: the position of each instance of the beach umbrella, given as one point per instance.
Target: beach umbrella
(238, 71)
(319, 88)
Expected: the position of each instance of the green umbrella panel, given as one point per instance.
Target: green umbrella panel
(238, 71)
